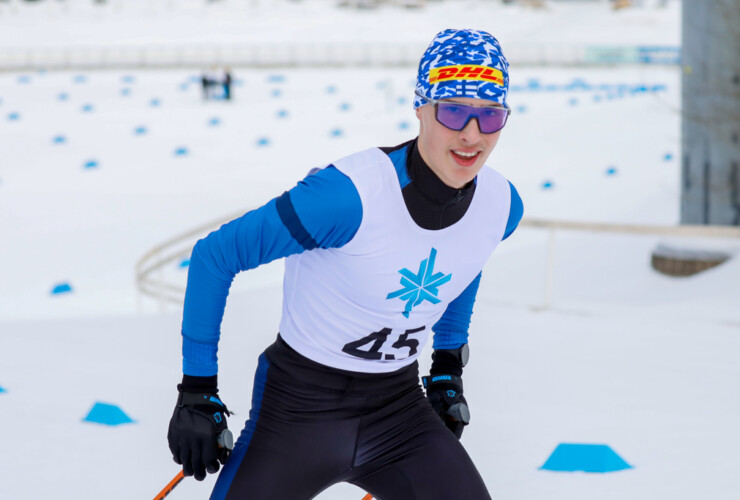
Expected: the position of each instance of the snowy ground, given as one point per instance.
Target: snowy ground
(626, 357)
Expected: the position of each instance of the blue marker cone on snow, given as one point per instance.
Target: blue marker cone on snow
(214, 122)
(24, 79)
(345, 106)
(80, 79)
(61, 288)
(404, 125)
(2, 390)
(611, 171)
(107, 414)
(276, 78)
(547, 185)
(282, 113)
(14, 117)
(585, 457)
(337, 132)
(125, 92)
(63, 96)
(91, 164)
(87, 108)
(184, 263)
(276, 92)
(578, 84)
(263, 141)
(128, 79)
(155, 103)
(140, 131)
(668, 157)
(182, 151)
(59, 139)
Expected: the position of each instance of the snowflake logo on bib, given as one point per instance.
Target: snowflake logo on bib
(424, 285)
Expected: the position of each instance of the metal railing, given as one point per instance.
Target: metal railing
(150, 278)
(686, 231)
(151, 281)
(309, 55)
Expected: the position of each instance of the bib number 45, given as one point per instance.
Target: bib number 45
(376, 340)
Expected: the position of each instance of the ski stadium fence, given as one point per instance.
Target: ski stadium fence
(153, 282)
(312, 55)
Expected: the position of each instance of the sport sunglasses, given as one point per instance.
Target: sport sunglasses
(455, 116)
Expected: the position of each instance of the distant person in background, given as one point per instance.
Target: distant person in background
(217, 82)
(382, 248)
(227, 83)
(205, 84)
(213, 80)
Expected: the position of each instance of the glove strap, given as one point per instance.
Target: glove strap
(432, 380)
(201, 399)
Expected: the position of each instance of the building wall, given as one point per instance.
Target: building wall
(711, 112)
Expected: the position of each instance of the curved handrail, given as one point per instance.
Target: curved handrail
(177, 247)
(165, 253)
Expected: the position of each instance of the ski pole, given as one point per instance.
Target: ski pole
(170, 486)
(179, 477)
(224, 440)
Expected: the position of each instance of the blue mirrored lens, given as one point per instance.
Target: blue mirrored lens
(456, 116)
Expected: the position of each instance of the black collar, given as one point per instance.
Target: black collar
(427, 182)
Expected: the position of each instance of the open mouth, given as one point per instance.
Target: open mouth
(465, 158)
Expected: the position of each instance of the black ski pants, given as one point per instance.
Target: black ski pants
(312, 426)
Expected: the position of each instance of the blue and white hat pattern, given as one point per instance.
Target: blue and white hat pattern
(463, 63)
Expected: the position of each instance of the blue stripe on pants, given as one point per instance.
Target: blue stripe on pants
(240, 448)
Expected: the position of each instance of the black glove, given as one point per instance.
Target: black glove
(198, 435)
(445, 394)
(445, 390)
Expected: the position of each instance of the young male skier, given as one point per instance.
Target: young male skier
(381, 247)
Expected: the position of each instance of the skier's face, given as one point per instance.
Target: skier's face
(455, 156)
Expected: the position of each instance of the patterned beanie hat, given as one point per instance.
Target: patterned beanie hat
(463, 63)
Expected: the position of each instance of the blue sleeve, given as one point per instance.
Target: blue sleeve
(324, 210)
(451, 331)
(515, 212)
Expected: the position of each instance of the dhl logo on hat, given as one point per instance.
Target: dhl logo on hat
(466, 72)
